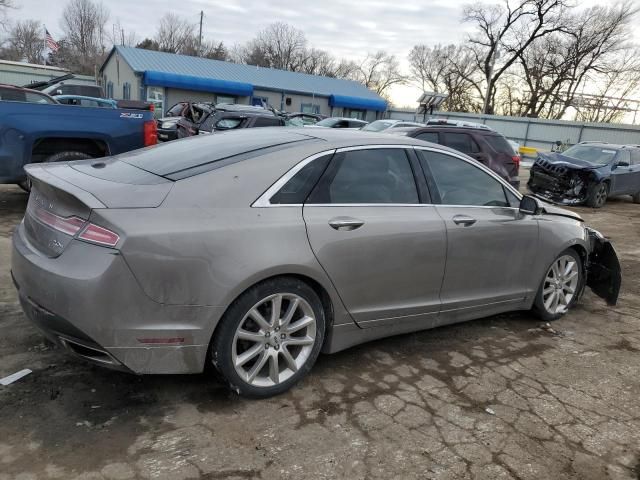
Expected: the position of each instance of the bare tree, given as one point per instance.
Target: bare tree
(283, 46)
(83, 22)
(25, 42)
(447, 69)
(175, 34)
(379, 71)
(505, 31)
(4, 6)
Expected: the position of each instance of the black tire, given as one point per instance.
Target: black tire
(636, 198)
(597, 195)
(56, 157)
(538, 305)
(221, 349)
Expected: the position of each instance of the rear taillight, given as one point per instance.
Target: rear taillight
(68, 225)
(99, 235)
(516, 160)
(150, 133)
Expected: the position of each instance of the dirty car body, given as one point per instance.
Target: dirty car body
(570, 177)
(136, 261)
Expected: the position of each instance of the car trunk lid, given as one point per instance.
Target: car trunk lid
(64, 195)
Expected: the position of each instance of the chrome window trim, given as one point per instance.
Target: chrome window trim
(264, 199)
(473, 163)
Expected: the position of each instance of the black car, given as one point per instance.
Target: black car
(587, 173)
(479, 142)
(227, 117)
(168, 125)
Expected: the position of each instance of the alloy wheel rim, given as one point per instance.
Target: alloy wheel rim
(602, 194)
(274, 340)
(560, 284)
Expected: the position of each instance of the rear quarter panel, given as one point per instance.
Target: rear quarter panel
(206, 245)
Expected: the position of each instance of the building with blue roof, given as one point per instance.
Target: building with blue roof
(167, 78)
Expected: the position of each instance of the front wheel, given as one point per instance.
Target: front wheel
(270, 337)
(561, 286)
(597, 195)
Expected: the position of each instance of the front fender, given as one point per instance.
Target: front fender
(604, 274)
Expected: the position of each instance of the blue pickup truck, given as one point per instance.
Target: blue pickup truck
(43, 131)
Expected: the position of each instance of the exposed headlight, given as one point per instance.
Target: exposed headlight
(168, 124)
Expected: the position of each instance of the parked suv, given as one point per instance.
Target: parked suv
(228, 117)
(483, 144)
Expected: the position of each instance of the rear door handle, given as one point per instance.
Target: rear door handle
(464, 220)
(345, 223)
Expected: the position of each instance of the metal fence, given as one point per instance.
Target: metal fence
(536, 132)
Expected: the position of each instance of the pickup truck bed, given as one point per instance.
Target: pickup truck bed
(33, 132)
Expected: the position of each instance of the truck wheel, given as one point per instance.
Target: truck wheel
(56, 157)
(597, 195)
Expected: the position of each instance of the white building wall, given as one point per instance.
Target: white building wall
(118, 72)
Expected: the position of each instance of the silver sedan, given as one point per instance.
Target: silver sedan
(256, 250)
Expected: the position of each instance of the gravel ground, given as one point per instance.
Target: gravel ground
(497, 398)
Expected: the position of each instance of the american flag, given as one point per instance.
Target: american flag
(51, 43)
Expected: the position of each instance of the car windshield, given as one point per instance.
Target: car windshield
(377, 126)
(591, 154)
(327, 122)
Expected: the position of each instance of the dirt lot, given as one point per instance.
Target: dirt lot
(497, 398)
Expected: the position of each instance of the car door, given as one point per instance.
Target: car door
(490, 244)
(635, 171)
(622, 178)
(383, 249)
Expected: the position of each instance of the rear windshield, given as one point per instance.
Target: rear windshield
(172, 157)
(500, 144)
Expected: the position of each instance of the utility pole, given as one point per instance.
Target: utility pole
(200, 35)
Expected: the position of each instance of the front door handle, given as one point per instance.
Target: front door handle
(345, 223)
(464, 220)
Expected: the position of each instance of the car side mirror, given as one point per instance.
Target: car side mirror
(530, 205)
(622, 164)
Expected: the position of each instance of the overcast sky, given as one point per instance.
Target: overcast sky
(344, 28)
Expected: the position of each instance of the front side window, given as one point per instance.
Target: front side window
(623, 157)
(458, 182)
(367, 176)
(461, 142)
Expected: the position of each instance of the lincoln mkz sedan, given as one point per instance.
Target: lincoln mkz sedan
(258, 249)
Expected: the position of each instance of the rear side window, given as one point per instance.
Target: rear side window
(267, 122)
(228, 123)
(297, 189)
(499, 144)
(635, 157)
(461, 183)
(367, 176)
(428, 137)
(461, 142)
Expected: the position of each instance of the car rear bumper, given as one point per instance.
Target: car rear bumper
(88, 301)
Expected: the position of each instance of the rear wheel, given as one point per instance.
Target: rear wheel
(270, 337)
(56, 157)
(561, 286)
(597, 195)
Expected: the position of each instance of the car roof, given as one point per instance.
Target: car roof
(614, 146)
(197, 154)
(84, 97)
(455, 128)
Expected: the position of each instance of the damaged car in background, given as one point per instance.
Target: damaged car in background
(587, 173)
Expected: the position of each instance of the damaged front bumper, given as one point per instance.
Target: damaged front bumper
(559, 184)
(604, 274)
